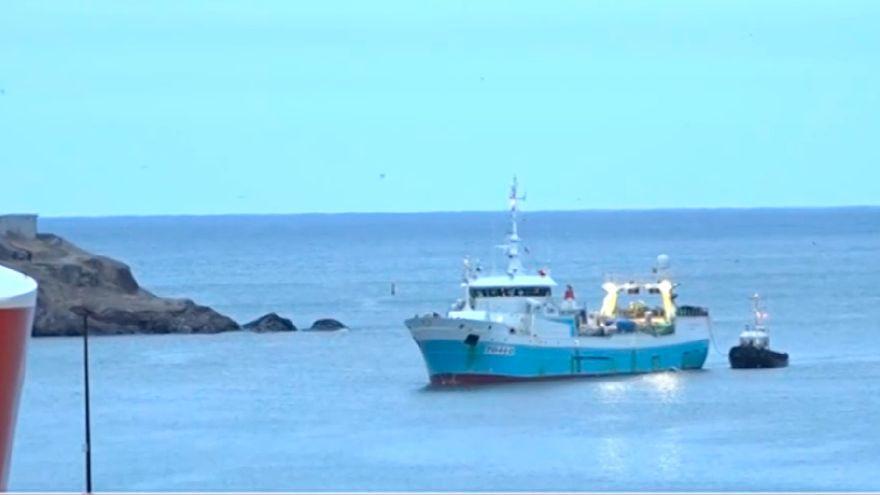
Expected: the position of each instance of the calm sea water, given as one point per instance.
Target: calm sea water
(350, 410)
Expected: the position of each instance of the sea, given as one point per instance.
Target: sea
(352, 410)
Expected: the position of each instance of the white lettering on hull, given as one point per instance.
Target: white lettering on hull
(499, 350)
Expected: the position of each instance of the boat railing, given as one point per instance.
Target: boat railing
(639, 279)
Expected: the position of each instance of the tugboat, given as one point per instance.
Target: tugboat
(753, 350)
(508, 327)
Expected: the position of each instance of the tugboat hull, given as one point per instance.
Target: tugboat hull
(749, 357)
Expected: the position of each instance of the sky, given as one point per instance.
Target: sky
(114, 107)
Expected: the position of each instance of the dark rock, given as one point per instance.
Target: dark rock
(327, 324)
(271, 323)
(119, 273)
(70, 277)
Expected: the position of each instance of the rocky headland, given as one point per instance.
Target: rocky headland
(75, 286)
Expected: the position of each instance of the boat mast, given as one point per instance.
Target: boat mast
(514, 264)
(760, 315)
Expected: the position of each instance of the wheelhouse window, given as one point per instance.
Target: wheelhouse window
(511, 292)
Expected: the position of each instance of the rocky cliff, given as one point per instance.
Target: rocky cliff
(70, 277)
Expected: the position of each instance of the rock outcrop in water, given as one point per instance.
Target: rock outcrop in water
(327, 325)
(270, 323)
(70, 277)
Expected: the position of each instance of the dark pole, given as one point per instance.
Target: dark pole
(88, 445)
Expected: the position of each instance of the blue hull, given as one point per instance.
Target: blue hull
(454, 362)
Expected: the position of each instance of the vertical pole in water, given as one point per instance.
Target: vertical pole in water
(88, 446)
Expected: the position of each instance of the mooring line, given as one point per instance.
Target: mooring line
(712, 339)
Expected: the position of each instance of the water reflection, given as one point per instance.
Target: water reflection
(612, 452)
(664, 458)
(614, 390)
(669, 454)
(666, 386)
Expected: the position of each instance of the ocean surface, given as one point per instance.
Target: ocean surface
(351, 410)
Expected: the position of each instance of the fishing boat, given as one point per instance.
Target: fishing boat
(509, 326)
(18, 294)
(754, 350)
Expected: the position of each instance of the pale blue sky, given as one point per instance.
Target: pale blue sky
(167, 107)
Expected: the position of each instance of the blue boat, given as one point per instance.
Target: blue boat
(509, 327)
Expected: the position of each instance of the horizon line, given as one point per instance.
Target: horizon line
(435, 212)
